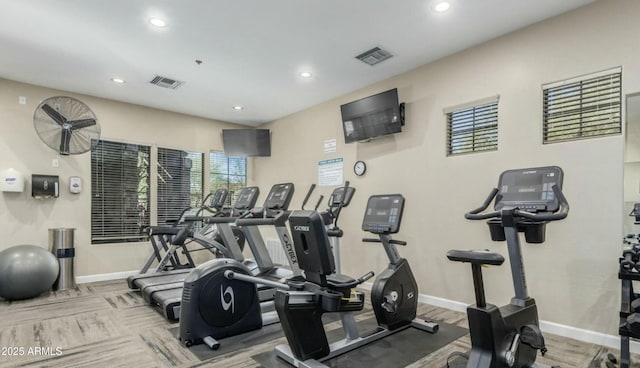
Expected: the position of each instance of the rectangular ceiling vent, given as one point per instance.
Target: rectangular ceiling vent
(166, 82)
(374, 56)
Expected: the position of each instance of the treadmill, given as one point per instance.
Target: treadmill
(163, 290)
(274, 212)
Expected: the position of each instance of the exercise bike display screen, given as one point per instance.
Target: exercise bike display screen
(530, 189)
(383, 214)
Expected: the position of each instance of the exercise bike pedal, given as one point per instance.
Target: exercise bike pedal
(532, 336)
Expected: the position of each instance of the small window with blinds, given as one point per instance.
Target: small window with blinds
(179, 183)
(472, 127)
(584, 107)
(227, 172)
(119, 192)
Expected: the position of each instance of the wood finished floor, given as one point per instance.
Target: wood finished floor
(107, 325)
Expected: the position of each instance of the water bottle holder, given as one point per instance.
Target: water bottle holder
(534, 231)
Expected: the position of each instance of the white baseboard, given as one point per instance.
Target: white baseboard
(612, 341)
(104, 277)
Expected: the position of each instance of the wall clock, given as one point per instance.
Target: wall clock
(360, 168)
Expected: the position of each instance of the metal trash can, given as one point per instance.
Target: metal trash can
(61, 245)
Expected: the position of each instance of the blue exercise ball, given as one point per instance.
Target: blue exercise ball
(26, 271)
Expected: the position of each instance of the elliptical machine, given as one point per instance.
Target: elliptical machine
(527, 200)
(221, 298)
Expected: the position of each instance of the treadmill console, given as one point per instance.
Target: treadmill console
(247, 198)
(383, 214)
(529, 189)
(336, 197)
(279, 197)
(219, 198)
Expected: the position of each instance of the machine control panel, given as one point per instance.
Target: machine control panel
(383, 214)
(529, 189)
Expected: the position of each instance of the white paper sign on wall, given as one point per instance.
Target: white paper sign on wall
(331, 172)
(330, 145)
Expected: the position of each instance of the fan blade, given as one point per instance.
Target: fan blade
(53, 114)
(83, 123)
(65, 138)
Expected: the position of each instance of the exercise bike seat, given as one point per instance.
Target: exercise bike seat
(478, 256)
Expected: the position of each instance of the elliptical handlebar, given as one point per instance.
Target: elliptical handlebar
(306, 198)
(562, 212)
(336, 214)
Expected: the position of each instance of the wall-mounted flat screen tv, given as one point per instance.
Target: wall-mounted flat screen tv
(246, 142)
(371, 117)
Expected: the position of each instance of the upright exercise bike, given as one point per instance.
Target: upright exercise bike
(527, 200)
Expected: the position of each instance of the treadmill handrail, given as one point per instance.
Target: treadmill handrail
(281, 217)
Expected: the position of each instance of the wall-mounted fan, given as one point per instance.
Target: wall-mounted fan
(66, 124)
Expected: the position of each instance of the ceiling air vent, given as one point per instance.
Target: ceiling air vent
(374, 56)
(166, 82)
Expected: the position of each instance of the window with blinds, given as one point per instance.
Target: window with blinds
(472, 128)
(228, 173)
(585, 107)
(179, 182)
(119, 192)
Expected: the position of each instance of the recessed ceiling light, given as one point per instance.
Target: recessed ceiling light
(157, 22)
(118, 80)
(441, 6)
(305, 74)
(238, 107)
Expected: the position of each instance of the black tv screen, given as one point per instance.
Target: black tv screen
(246, 142)
(371, 117)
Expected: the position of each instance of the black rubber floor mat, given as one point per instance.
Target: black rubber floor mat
(252, 338)
(398, 350)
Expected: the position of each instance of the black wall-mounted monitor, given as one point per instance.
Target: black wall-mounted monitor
(246, 142)
(372, 117)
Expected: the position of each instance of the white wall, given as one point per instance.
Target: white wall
(573, 276)
(24, 220)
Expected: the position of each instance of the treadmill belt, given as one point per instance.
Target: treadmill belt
(161, 279)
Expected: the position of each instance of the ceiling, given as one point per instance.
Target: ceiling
(252, 51)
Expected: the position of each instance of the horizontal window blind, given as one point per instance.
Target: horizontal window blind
(473, 129)
(179, 182)
(119, 192)
(227, 173)
(585, 108)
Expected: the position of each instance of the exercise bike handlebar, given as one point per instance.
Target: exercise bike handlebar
(562, 212)
(476, 215)
(391, 241)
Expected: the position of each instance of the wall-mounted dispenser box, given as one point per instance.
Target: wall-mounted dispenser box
(75, 184)
(11, 180)
(44, 186)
